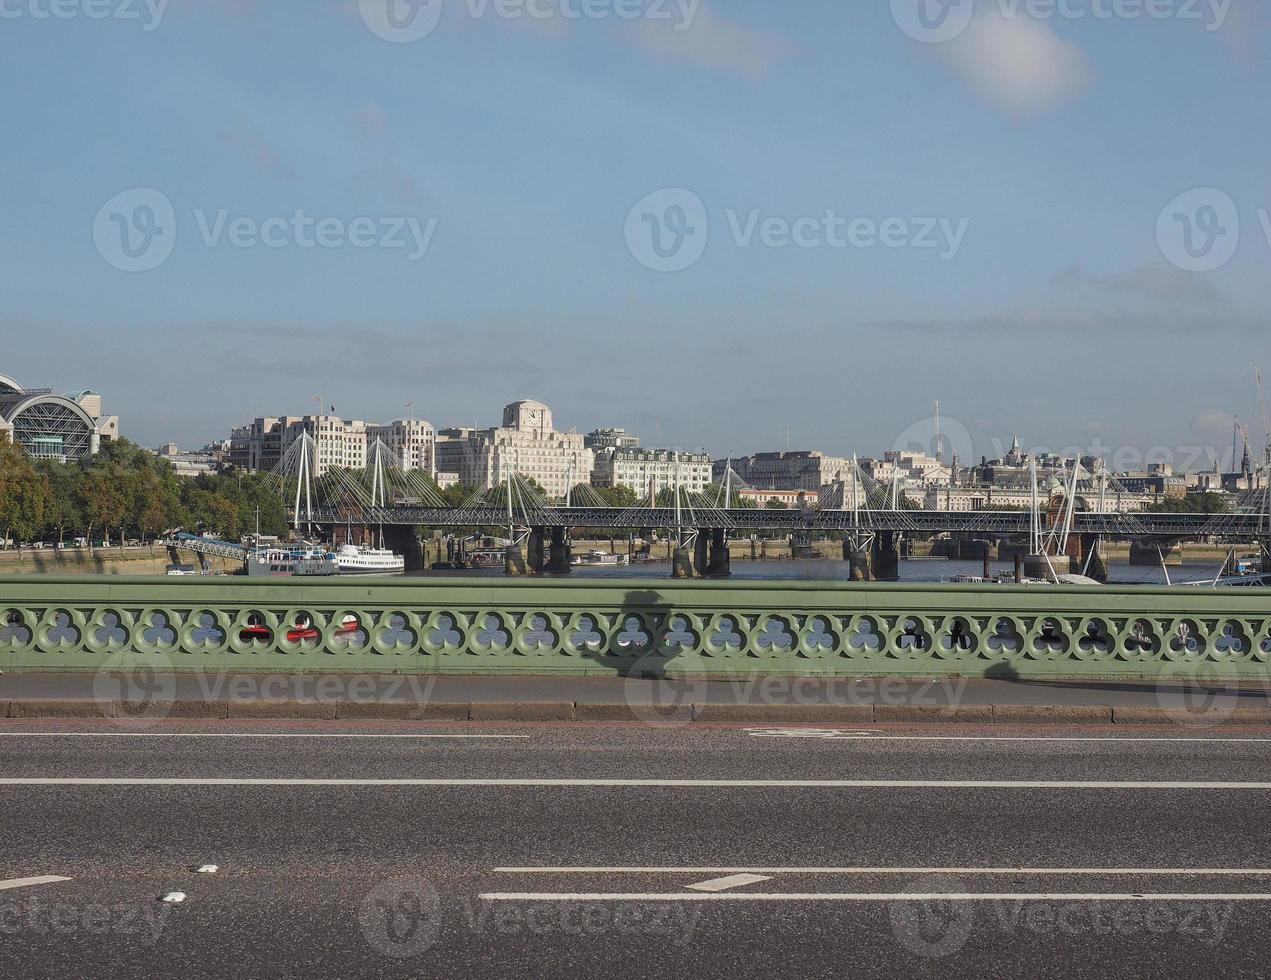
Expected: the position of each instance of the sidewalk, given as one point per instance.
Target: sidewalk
(655, 701)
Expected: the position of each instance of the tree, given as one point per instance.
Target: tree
(101, 494)
(24, 493)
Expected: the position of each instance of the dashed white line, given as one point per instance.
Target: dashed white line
(872, 897)
(862, 784)
(731, 881)
(245, 735)
(721, 870)
(25, 882)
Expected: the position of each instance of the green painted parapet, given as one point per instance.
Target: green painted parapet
(496, 625)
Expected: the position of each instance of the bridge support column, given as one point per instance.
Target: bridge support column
(682, 564)
(558, 560)
(884, 558)
(858, 559)
(701, 554)
(801, 546)
(1097, 566)
(1149, 552)
(514, 561)
(721, 562)
(535, 557)
(405, 541)
(1037, 566)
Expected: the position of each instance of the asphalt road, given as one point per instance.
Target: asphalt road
(407, 850)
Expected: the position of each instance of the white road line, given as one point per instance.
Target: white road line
(24, 882)
(242, 735)
(732, 881)
(871, 897)
(655, 783)
(1196, 872)
(1031, 738)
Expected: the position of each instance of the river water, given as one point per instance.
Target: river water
(822, 570)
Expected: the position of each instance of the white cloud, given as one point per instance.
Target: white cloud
(711, 40)
(1017, 63)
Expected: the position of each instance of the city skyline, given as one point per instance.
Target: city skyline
(1045, 159)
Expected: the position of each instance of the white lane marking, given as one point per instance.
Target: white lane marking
(652, 783)
(879, 737)
(871, 897)
(732, 881)
(174, 898)
(1196, 872)
(24, 882)
(239, 735)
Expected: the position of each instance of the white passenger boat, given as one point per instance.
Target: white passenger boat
(298, 560)
(600, 558)
(353, 560)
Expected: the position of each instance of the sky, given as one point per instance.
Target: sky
(730, 224)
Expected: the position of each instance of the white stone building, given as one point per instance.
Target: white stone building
(652, 469)
(526, 444)
(411, 441)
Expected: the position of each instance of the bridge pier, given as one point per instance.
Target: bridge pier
(405, 541)
(1150, 551)
(885, 558)
(559, 555)
(1097, 566)
(858, 560)
(720, 561)
(1038, 566)
(801, 546)
(682, 564)
(514, 561)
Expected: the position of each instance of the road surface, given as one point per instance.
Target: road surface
(617, 850)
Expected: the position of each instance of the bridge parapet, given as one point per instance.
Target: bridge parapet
(70, 623)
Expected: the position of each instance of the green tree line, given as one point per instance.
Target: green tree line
(125, 492)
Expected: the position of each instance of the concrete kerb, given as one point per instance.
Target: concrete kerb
(582, 711)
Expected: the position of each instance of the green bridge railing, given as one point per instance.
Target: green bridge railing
(468, 625)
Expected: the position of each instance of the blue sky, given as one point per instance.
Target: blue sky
(521, 144)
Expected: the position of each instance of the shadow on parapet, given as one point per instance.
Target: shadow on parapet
(637, 639)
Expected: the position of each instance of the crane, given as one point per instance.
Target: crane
(1266, 417)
